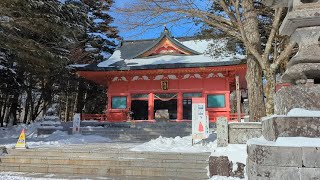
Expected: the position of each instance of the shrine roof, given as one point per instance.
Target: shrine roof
(202, 53)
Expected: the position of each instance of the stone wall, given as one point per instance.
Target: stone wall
(279, 162)
(240, 133)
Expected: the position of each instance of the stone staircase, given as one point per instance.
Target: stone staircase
(139, 132)
(107, 160)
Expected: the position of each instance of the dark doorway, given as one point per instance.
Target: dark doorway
(171, 105)
(139, 109)
(187, 109)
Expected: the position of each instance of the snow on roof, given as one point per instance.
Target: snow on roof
(78, 65)
(201, 46)
(198, 45)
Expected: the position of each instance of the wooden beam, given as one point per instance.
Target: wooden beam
(238, 98)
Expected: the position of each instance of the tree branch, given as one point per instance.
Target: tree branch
(245, 40)
(283, 55)
(275, 27)
(223, 4)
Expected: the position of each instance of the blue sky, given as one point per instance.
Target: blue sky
(183, 29)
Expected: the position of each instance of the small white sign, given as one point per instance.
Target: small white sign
(200, 120)
(76, 124)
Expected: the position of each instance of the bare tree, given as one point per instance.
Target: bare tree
(239, 19)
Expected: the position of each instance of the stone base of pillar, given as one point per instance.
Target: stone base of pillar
(285, 126)
(298, 96)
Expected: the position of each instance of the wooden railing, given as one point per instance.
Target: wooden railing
(97, 117)
(234, 116)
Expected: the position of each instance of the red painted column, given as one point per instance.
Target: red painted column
(108, 106)
(151, 106)
(227, 98)
(180, 107)
(109, 102)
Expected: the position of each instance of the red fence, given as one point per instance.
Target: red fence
(97, 117)
(234, 116)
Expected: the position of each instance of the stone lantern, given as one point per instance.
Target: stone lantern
(302, 24)
(281, 153)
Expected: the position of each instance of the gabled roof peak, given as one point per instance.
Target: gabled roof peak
(165, 34)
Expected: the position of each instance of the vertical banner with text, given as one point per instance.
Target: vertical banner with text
(76, 124)
(200, 120)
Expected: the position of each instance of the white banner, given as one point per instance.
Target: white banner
(200, 120)
(76, 124)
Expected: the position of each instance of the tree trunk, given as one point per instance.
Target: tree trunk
(80, 96)
(26, 109)
(7, 113)
(254, 73)
(270, 92)
(13, 109)
(66, 112)
(4, 111)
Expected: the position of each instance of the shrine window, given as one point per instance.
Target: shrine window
(192, 94)
(119, 102)
(216, 101)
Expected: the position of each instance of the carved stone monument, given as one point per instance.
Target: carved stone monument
(270, 158)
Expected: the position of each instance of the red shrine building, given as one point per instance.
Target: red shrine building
(144, 76)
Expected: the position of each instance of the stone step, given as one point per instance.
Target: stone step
(155, 157)
(106, 160)
(107, 171)
(120, 161)
(107, 153)
(134, 134)
(137, 132)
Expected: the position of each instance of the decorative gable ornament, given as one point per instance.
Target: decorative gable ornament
(165, 44)
(122, 78)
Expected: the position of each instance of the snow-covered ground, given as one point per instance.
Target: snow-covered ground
(9, 136)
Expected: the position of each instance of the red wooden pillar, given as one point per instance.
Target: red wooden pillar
(180, 107)
(109, 102)
(151, 106)
(109, 107)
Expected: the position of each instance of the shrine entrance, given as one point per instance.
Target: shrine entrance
(166, 102)
(139, 109)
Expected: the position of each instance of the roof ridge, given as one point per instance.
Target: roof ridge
(195, 37)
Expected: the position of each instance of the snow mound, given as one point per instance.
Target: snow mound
(235, 152)
(176, 144)
(299, 112)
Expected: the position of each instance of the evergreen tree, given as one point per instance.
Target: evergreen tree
(38, 40)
